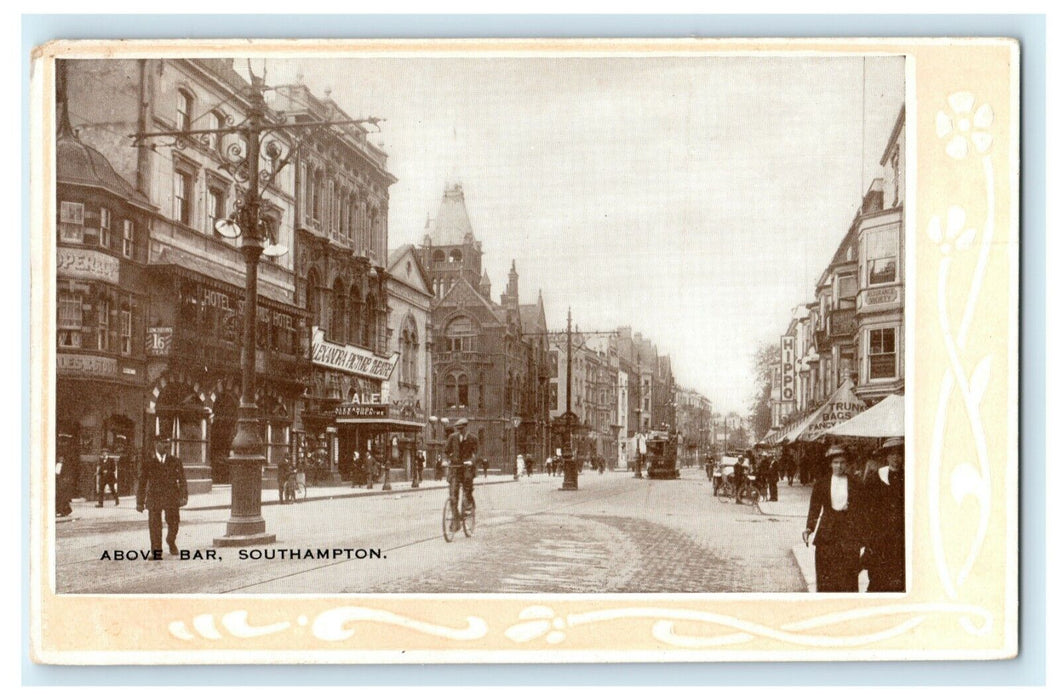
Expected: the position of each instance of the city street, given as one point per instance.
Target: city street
(615, 534)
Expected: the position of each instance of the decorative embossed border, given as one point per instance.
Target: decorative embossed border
(962, 316)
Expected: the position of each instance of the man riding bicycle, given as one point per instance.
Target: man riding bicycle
(462, 448)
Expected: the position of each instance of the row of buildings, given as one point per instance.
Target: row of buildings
(853, 329)
(359, 347)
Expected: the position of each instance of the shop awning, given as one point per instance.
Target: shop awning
(884, 420)
(840, 407)
(393, 425)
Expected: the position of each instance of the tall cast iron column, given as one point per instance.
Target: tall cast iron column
(246, 526)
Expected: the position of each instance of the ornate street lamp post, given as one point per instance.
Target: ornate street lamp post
(246, 526)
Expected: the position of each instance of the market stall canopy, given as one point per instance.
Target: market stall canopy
(840, 407)
(884, 420)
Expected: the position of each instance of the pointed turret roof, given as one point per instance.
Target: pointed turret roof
(452, 225)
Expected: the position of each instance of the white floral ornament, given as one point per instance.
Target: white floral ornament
(962, 126)
(543, 620)
(955, 234)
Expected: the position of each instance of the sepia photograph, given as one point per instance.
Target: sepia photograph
(454, 325)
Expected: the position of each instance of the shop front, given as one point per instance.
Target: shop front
(195, 371)
(335, 436)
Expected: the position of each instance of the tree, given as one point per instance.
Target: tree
(766, 357)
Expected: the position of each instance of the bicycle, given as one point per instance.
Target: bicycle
(457, 514)
(293, 488)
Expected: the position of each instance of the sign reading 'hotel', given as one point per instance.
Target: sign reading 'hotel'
(349, 358)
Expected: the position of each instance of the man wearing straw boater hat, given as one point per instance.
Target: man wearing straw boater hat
(835, 516)
(163, 490)
(884, 556)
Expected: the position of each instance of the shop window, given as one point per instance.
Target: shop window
(70, 320)
(126, 331)
(72, 222)
(883, 357)
(183, 185)
(128, 239)
(881, 256)
(104, 228)
(103, 325)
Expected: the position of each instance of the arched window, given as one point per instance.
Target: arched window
(438, 256)
(460, 335)
(456, 390)
(318, 196)
(354, 328)
(455, 256)
(312, 297)
(337, 327)
(409, 348)
(371, 329)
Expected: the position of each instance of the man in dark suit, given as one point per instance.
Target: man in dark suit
(835, 515)
(885, 522)
(462, 450)
(163, 490)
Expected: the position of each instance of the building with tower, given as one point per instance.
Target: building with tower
(489, 365)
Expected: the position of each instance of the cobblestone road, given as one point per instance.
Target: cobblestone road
(615, 534)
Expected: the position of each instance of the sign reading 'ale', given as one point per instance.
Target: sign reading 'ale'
(787, 368)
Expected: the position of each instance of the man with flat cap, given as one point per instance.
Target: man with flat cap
(884, 556)
(163, 490)
(835, 516)
(462, 450)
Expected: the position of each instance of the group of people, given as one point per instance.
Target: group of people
(858, 522)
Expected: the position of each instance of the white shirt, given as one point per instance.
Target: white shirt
(840, 494)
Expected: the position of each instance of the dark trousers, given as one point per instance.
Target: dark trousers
(154, 524)
(887, 574)
(104, 483)
(772, 484)
(837, 568)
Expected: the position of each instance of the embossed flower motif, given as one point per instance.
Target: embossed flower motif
(542, 621)
(961, 125)
(955, 233)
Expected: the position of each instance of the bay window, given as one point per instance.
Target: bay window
(881, 256)
(882, 353)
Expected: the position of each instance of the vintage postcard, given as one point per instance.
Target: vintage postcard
(521, 351)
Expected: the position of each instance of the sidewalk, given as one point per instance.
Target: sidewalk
(220, 497)
(794, 502)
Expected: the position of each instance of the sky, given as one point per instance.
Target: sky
(696, 199)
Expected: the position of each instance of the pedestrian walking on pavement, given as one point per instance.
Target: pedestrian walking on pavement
(787, 465)
(65, 474)
(283, 473)
(836, 511)
(163, 491)
(884, 556)
(106, 477)
(370, 468)
(770, 474)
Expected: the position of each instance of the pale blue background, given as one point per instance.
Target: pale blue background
(1027, 669)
